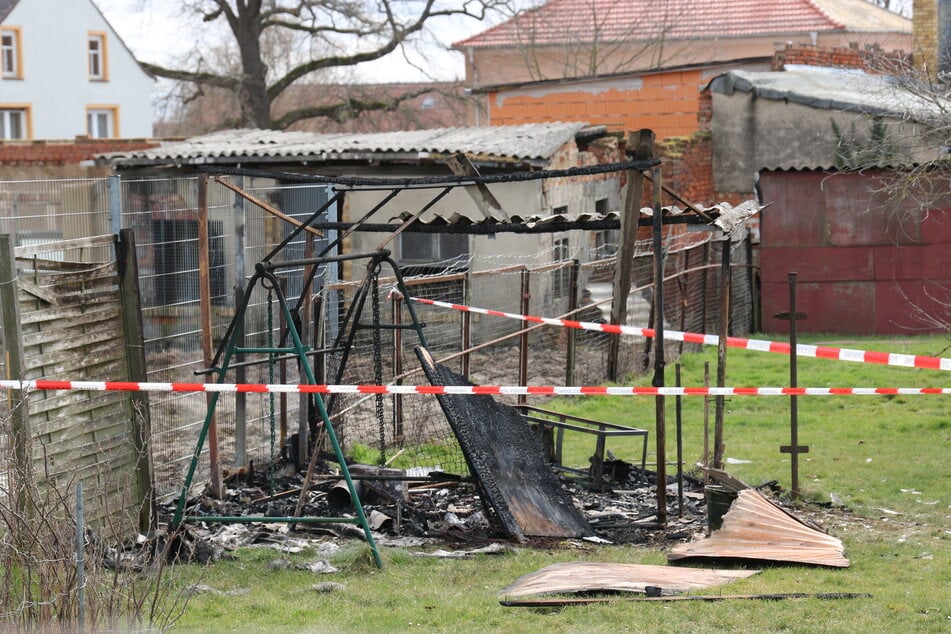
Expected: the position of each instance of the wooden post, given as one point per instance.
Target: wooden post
(659, 354)
(140, 422)
(204, 290)
(641, 144)
(22, 434)
(720, 401)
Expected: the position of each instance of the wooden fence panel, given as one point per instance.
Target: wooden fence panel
(72, 324)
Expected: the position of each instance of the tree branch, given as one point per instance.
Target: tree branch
(205, 79)
(346, 109)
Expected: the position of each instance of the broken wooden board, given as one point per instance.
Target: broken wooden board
(580, 576)
(755, 528)
(506, 459)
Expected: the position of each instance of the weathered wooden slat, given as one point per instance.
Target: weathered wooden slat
(84, 342)
(82, 325)
(63, 245)
(88, 301)
(71, 405)
(77, 367)
(100, 311)
(46, 294)
(98, 335)
(80, 443)
(81, 294)
(104, 273)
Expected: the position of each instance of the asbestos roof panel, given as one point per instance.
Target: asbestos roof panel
(561, 21)
(843, 89)
(518, 142)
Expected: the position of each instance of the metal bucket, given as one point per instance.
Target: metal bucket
(719, 499)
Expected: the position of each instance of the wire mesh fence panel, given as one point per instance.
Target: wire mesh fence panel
(241, 234)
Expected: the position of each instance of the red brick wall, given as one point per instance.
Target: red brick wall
(39, 153)
(666, 103)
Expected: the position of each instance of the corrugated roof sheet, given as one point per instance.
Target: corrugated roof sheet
(535, 141)
(456, 218)
(561, 21)
(834, 89)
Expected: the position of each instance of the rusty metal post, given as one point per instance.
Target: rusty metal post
(680, 445)
(720, 401)
(204, 289)
(307, 336)
(466, 324)
(659, 355)
(397, 308)
(523, 339)
(793, 448)
(282, 374)
(574, 275)
(706, 423)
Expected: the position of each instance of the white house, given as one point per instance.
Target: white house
(64, 72)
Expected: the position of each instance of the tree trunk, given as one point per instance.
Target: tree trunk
(252, 93)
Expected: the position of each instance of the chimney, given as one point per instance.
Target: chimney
(931, 29)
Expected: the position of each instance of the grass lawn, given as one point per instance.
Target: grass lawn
(885, 460)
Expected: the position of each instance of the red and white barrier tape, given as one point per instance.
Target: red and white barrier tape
(497, 390)
(802, 350)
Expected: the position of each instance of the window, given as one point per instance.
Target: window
(98, 58)
(11, 65)
(14, 123)
(432, 247)
(102, 122)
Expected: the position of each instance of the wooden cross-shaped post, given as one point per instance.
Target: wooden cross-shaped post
(793, 448)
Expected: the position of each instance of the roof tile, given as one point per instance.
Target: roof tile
(560, 21)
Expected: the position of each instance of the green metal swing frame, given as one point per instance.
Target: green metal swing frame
(266, 275)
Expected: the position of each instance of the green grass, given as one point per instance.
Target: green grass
(872, 452)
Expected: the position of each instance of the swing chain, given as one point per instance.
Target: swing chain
(378, 356)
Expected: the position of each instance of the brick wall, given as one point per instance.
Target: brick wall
(666, 103)
(64, 153)
(925, 25)
(871, 59)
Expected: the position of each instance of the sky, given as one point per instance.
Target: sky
(156, 32)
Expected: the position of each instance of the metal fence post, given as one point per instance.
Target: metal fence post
(523, 340)
(240, 374)
(114, 186)
(574, 274)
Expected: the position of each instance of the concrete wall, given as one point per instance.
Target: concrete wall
(56, 81)
(750, 134)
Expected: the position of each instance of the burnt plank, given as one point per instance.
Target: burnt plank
(506, 457)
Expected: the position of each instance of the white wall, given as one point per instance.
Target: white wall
(55, 71)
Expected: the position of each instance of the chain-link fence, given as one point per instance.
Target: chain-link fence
(489, 350)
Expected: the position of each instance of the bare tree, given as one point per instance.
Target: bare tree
(310, 36)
